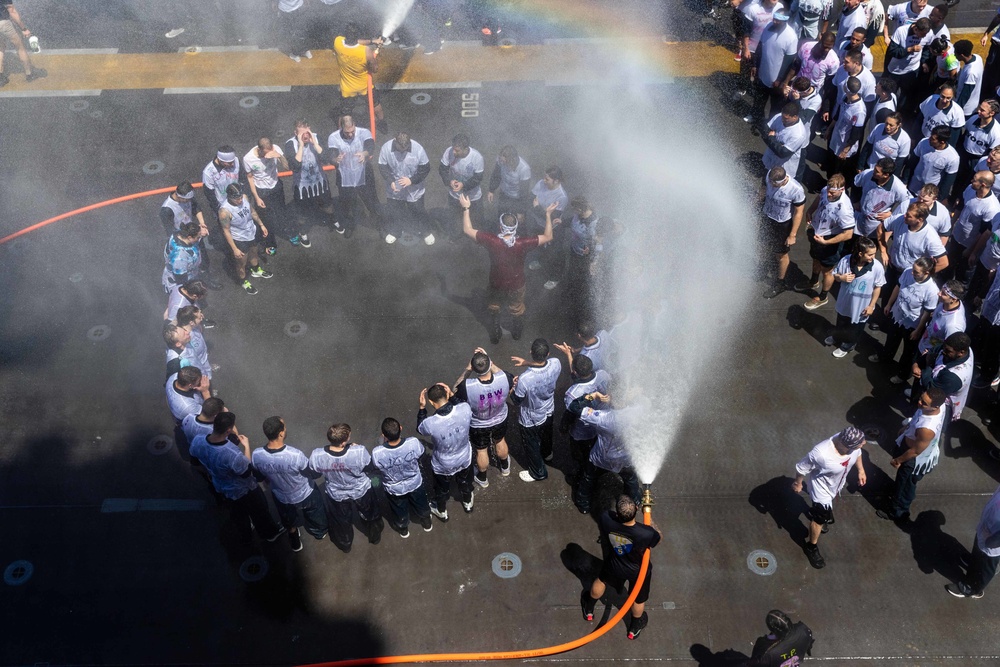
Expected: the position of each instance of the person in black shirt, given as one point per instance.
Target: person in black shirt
(786, 645)
(624, 542)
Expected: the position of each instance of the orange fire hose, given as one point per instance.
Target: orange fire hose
(371, 108)
(109, 202)
(510, 655)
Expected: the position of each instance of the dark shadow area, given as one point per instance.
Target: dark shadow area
(706, 658)
(812, 323)
(776, 498)
(935, 550)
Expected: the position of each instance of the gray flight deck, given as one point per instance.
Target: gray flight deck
(133, 563)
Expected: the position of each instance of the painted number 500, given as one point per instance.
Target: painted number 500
(470, 105)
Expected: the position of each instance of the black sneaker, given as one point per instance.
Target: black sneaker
(36, 73)
(774, 290)
(517, 328)
(208, 324)
(587, 603)
(248, 287)
(296, 541)
(428, 526)
(960, 590)
(260, 272)
(495, 333)
(815, 557)
(338, 228)
(278, 534)
(637, 624)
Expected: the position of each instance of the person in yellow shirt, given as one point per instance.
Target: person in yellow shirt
(356, 59)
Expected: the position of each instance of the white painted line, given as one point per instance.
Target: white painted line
(220, 49)
(431, 85)
(50, 93)
(224, 89)
(79, 52)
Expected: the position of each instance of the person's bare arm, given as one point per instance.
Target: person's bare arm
(253, 190)
(892, 300)
(922, 439)
(258, 222)
(225, 218)
(547, 233)
(467, 228)
(862, 477)
(797, 212)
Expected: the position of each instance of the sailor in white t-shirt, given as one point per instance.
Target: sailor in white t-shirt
(398, 460)
(917, 453)
(823, 473)
(404, 165)
(461, 170)
(935, 162)
(982, 564)
(267, 193)
(784, 204)
(881, 192)
(970, 78)
(535, 396)
(889, 140)
(201, 423)
(451, 451)
(940, 109)
(286, 469)
(351, 148)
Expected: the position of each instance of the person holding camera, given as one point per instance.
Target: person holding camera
(13, 31)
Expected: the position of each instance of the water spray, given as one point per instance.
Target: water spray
(395, 17)
(647, 503)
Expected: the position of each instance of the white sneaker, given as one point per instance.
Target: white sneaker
(481, 482)
(390, 239)
(174, 33)
(467, 506)
(526, 476)
(840, 353)
(429, 239)
(551, 284)
(534, 265)
(829, 340)
(308, 55)
(295, 58)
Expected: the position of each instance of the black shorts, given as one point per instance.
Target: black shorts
(617, 581)
(826, 255)
(245, 246)
(773, 235)
(484, 438)
(820, 514)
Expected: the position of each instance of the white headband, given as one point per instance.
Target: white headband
(226, 157)
(189, 195)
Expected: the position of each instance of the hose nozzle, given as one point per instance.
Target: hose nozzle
(647, 498)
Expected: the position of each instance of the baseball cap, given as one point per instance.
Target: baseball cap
(780, 13)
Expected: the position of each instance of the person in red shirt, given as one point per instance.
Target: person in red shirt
(507, 252)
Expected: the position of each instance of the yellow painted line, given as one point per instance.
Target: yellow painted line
(563, 63)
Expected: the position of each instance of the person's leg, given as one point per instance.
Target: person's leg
(417, 501)
(894, 334)
(253, 256)
(396, 213)
(851, 334)
(369, 197)
(532, 442)
(630, 481)
(585, 487)
(240, 263)
(420, 220)
(982, 569)
(260, 513)
(399, 512)
(986, 345)
(314, 514)
(372, 516)
(499, 436)
(463, 478)
(906, 490)
(441, 488)
(546, 438)
(341, 514)
(579, 451)
(908, 355)
(494, 297)
(515, 305)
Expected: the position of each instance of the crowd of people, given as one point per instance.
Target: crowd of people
(463, 424)
(906, 225)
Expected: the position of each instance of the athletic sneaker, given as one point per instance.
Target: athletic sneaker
(278, 534)
(637, 625)
(829, 341)
(294, 240)
(814, 556)
(505, 471)
(271, 250)
(308, 55)
(874, 358)
(551, 284)
(483, 482)
(467, 506)
(429, 239)
(248, 287)
(260, 272)
(390, 239)
(587, 604)
(526, 477)
(295, 58)
(534, 265)
(805, 285)
(433, 47)
(443, 515)
(405, 533)
(208, 324)
(816, 302)
(428, 527)
(304, 241)
(960, 590)
(338, 228)
(295, 540)
(774, 290)
(36, 73)
(840, 353)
